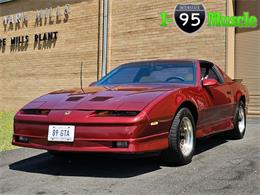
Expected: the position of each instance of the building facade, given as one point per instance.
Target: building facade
(45, 42)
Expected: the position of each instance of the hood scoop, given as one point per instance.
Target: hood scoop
(74, 99)
(100, 99)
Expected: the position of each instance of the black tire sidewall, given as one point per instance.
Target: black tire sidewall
(174, 137)
(237, 133)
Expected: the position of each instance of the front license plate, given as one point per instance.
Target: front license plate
(61, 133)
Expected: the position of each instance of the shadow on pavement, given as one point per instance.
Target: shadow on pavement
(106, 166)
(209, 143)
(86, 166)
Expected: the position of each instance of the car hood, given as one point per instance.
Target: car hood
(101, 98)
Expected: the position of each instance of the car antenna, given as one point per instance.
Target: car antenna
(81, 77)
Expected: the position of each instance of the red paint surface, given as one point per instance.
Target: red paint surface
(158, 102)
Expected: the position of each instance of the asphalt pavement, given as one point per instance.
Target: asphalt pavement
(220, 166)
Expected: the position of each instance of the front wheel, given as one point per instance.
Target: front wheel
(181, 139)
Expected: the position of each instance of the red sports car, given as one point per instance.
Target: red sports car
(140, 107)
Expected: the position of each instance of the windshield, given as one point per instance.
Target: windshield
(183, 73)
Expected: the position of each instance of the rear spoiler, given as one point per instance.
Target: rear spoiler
(238, 80)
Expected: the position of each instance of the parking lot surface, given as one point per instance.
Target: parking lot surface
(220, 166)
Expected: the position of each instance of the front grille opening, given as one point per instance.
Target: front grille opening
(35, 111)
(74, 99)
(100, 98)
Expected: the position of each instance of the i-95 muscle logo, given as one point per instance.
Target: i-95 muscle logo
(190, 18)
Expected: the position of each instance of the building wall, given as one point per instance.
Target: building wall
(27, 74)
(135, 33)
(247, 61)
(248, 66)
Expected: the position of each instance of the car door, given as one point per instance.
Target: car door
(218, 99)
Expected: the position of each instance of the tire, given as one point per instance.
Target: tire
(239, 122)
(176, 153)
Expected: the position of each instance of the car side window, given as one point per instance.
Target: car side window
(208, 71)
(219, 74)
(203, 71)
(212, 75)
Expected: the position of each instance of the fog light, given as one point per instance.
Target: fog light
(121, 144)
(23, 139)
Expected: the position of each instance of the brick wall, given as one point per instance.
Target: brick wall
(135, 33)
(27, 74)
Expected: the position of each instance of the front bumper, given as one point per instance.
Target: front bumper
(92, 134)
(139, 145)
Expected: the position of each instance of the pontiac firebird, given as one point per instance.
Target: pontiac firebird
(151, 106)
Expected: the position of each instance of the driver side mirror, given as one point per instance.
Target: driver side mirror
(209, 82)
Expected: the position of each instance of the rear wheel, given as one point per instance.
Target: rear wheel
(181, 139)
(239, 122)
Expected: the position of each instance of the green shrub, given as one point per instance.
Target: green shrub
(6, 130)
